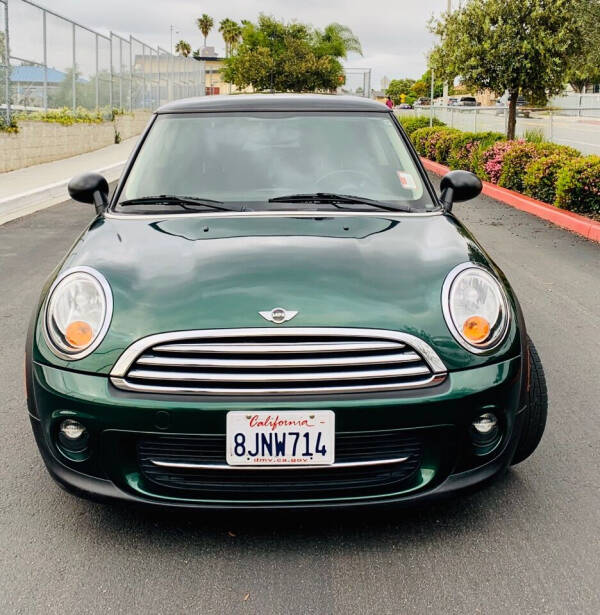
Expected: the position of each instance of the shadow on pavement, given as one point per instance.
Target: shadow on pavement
(470, 512)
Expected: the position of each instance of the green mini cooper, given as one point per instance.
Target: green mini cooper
(274, 309)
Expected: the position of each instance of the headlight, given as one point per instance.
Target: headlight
(78, 312)
(475, 308)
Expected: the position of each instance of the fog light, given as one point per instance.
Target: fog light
(486, 423)
(485, 434)
(73, 436)
(72, 429)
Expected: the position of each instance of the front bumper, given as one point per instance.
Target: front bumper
(116, 419)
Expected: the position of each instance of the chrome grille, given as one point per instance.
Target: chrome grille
(285, 361)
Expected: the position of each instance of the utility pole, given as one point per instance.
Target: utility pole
(172, 28)
(431, 99)
(446, 85)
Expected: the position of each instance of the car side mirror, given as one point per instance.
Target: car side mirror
(90, 188)
(459, 186)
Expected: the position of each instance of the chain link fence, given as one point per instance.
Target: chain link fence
(578, 127)
(48, 61)
(357, 82)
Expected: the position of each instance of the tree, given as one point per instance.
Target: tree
(231, 32)
(273, 55)
(205, 25)
(336, 40)
(183, 48)
(584, 68)
(399, 87)
(523, 46)
(438, 85)
(85, 90)
(420, 89)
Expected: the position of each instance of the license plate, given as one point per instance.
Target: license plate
(280, 438)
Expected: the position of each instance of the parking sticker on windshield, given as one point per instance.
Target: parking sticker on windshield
(407, 180)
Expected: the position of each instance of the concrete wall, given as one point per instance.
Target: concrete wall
(131, 125)
(38, 142)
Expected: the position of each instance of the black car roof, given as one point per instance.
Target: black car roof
(273, 102)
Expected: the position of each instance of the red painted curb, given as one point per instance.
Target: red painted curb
(590, 229)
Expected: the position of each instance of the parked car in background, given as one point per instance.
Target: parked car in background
(466, 101)
(298, 321)
(522, 104)
(422, 102)
(452, 101)
(404, 106)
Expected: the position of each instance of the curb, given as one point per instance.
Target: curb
(26, 203)
(590, 229)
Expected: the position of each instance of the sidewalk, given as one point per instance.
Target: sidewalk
(27, 190)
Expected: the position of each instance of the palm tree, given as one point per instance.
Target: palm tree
(337, 40)
(183, 48)
(205, 25)
(231, 32)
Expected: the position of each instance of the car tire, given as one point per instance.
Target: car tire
(536, 413)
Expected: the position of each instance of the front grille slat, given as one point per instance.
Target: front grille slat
(277, 377)
(353, 361)
(145, 387)
(268, 348)
(278, 361)
(301, 482)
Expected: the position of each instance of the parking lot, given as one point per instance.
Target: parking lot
(525, 544)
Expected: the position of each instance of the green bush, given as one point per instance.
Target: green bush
(535, 135)
(421, 139)
(541, 176)
(11, 126)
(493, 159)
(578, 186)
(65, 116)
(545, 171)
(444, 144)
(466, 150)
(516, 161)
(412, 124)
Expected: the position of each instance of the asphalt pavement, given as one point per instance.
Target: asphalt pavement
(528, 543)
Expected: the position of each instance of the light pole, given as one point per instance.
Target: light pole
(446, 85)
(172, 29)
(431, 99)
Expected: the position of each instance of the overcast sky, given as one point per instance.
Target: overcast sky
(393, 33)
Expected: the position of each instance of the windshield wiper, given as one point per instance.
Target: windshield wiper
(337, 200)
(186, 202)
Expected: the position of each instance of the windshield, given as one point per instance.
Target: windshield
(244, 161)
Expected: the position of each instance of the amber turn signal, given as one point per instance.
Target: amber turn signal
(78, 334)
(476, 329)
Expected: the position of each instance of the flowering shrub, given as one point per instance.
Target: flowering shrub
(466, 150)
(411, 124)
(444, 144)
(421, 138)
(451, 146)
(514, 163)
(546, 171)
(519, 157)
(493, 158)
(578, 186)
(439, 142)
(541, 176)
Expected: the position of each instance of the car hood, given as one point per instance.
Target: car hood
(200, 272)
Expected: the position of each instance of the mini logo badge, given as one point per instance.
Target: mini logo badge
(278, 315)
